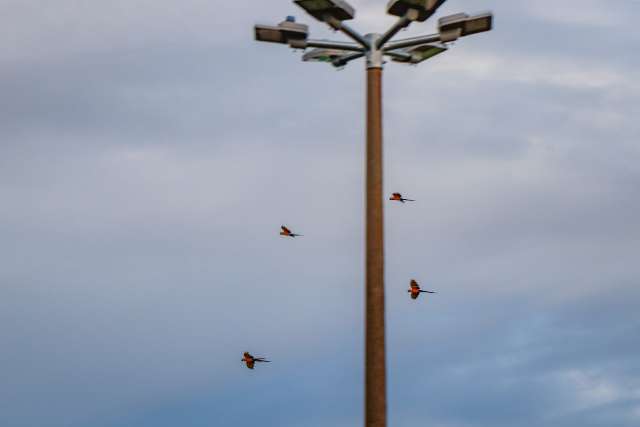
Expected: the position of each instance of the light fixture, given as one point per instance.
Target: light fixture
(425, 8)
(459, 25)
(323, 55)
(421, 53)
(323, 9)
(285, 32)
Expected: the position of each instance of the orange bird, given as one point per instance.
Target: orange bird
(286, 232)
(251, 361)
(415, 290)
(398, 198)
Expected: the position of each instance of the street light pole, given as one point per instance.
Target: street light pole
(375, 360)
(374, 47)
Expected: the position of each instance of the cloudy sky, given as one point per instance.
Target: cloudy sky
(150, 150)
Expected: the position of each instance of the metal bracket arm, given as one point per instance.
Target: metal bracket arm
(341, 62)
(336, 24)
(401, 23)
(413, 41)
(326, 44)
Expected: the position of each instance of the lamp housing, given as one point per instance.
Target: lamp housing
(421, 53)
(425, 8)
(323, 55)
(285, 32)
(460, 25)
(323, 9)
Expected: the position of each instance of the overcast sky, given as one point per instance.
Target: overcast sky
(150, 150)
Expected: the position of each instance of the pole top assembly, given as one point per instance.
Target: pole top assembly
(374, 47)
(374, 54)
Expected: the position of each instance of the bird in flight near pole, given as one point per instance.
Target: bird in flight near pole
(416, 291)
(398, 198)
(286, 232)
(250, 360)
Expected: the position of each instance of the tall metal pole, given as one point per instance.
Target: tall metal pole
(374, 47)
(375, 364)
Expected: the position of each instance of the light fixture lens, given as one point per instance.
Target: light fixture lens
(478, 24)
(323, 55)
(425, 52)
(314, 5)
(421, 53)
(425, 8)
(269, 34)
(321, 9)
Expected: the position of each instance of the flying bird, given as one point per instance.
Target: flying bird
(398, 198)
(251, 361)
(415, 290)
(286, 232)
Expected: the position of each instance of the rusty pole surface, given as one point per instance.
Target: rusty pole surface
(375, 364)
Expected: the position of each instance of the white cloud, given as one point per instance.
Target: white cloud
(591, 390)
(37, 31)
(592, 13)
(537, 70)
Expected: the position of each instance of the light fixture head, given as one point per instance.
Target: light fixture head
(285, 32)
(478, 24)
(425, 8)
(323, 55)
(323, 9)
(460, 25)
(421, 53)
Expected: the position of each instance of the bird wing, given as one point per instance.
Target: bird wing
(285, 229)
(250, 364)
(414, 285)
(414, 295)
(397, 195)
